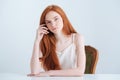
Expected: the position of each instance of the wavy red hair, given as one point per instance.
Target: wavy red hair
(48, 43)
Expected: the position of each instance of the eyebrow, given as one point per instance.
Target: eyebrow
(53, 18)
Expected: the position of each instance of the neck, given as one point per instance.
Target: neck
(60, 37)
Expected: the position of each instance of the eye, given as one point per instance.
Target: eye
(48, 22)
(56, 19)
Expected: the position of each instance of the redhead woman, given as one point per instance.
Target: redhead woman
(58, 49)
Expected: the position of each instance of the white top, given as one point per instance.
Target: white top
(67, 57)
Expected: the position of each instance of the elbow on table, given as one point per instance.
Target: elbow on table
(80, 72)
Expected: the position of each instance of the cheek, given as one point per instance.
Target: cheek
(61, 24)
(49, 27)
(59, 21)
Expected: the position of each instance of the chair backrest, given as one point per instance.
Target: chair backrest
(91, 59)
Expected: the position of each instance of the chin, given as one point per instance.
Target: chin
(55, 32)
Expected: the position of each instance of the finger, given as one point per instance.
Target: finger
(43, 28)
(37, 75)
(30, 74)
(45, 32)
(43, 25)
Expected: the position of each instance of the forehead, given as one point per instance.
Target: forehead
(50, 15)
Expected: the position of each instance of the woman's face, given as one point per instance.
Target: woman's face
(54, 21)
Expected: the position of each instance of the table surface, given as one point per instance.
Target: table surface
(13, 76)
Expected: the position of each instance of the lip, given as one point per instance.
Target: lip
(54, 29)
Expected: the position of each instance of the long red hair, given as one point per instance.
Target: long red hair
(48, 43)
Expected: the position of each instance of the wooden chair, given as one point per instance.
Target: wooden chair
(91, 59)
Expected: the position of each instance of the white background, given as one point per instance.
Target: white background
(97, 20)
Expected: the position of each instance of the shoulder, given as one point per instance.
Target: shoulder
(78, 37)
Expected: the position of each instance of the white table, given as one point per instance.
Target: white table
(13, 76)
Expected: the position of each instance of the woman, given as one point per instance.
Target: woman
(58, 48)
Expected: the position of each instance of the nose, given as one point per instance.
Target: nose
(52, 23)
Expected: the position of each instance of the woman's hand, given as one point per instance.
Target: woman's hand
(41, 31)
(41, 74)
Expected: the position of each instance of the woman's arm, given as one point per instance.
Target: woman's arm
(80, 49)
(35, 63)
(68, 72)
(81, 60)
